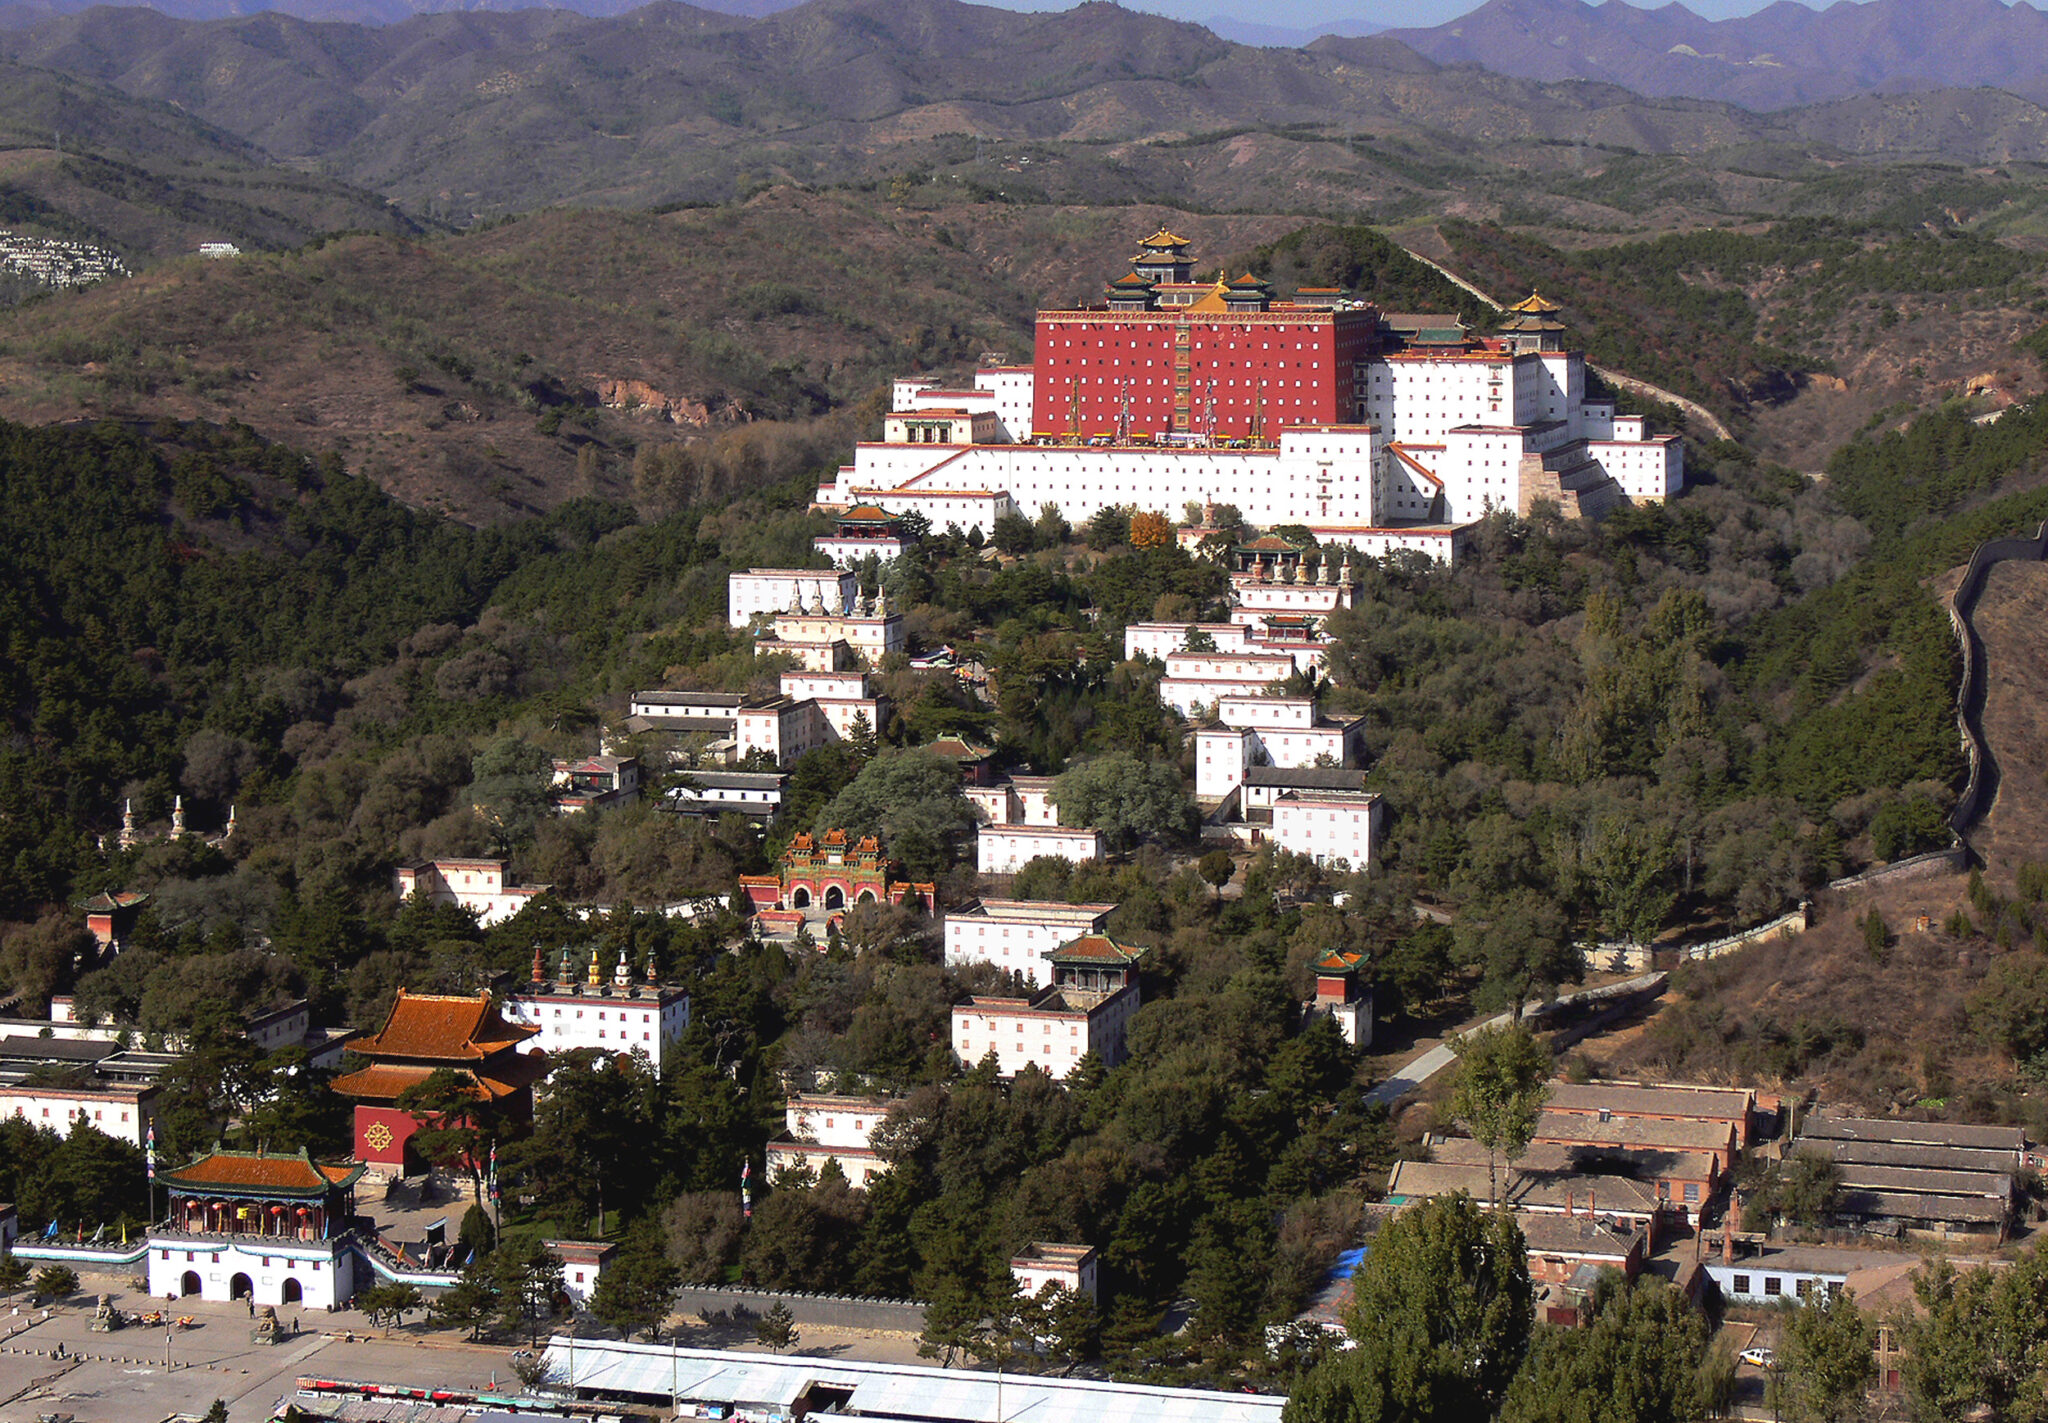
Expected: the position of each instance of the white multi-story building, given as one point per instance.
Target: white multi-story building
(618, 1014)
(476, 885)
(1016, 934)
(1340, 829)
(1201, 679)
(821, 1127)
(1043, 1264)
(1269, 731)
(118, 1110)
(815, 709)
(1021, 800)
(1239, 636)
(259, 1226)
(754, 794)
(835, 642)
(764, 592)
(1005, 849)
(1088, 1008)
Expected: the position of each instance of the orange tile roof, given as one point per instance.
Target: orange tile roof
(257, 1171)
(443, 1028)
(1339, 961)
(387, 1081)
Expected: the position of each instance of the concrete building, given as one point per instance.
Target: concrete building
(1016, 934)
(764, 592)
(616, 1012)
(865, 532)
(836, 642)
(1337, 829)
(1087, 1009)
(709, 794)
(476, 885)
(1005, 849)
(1933, 1180)
(583, 1261)
(822, 1127)
(593, 782)
(1779, 1274)
(1042, 1265)
(123, 1111)
(1258, 730)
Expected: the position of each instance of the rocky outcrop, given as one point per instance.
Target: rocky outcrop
(637, 397)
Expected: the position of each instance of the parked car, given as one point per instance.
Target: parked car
(1758, 1357)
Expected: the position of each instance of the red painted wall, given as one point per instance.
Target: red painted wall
(399, 1124)
(1269, 370)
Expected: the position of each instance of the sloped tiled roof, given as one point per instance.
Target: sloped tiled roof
(1164, 238)
(444, 1028)
(1534, 305)
(261, 1172)
(1094, 949)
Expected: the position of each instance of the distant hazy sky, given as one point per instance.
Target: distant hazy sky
(1313, 14)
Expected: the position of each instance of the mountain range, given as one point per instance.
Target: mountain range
(461, 115)
(1784, 55)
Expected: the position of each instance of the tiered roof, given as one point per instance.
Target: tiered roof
(259, 1173)
(430, 1031)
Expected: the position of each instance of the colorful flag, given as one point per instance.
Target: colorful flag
(746, 1196)
(495, 1195)
(149, 1152)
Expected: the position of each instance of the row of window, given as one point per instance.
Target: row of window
(192, 1258)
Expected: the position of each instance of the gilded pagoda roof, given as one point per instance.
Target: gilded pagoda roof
(1534, 304)
(1164, 238)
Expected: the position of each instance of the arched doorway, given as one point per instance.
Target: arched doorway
(835, 897)
(293, 1293)
(241, 1287)
(799, 898)
(866, 896)
(189, 1285)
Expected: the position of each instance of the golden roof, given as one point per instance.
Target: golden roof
(1213, 301)
(1534, 305)
(1164, 238)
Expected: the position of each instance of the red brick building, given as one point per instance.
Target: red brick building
(426, 1032)
(1165, 355)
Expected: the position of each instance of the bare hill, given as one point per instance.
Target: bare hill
(510, 369)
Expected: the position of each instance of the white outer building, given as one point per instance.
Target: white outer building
(1052, 1030)
(1269, 731)
(1005, 849)
(583, 1262)
(1200, 679)
(1016, 934)
(476, 885)
(767, 591)
(121, 1112)
(1338, 829)
(821, 1128)
(1042, 1264)
(619, 1017)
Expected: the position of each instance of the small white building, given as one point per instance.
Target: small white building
(1016, 934)
(583, 1261)
(1269, 731)
(615, 1014)
(476, 885)
(1021, 800)
(1199, 679)
(835, 642)
(822, 1127)
(764, 592)
(1337, 829)
(121, 1111)
(1088, 1008)
(754, 794)
(1071, 1266)
(666, 710)
(816, 708)
(1005, 849)
(590, 782)
(1778, 1274)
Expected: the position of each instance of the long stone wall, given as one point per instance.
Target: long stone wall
(828, 1311)
(1982, 786)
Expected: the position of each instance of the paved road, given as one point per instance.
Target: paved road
(1420, 1068)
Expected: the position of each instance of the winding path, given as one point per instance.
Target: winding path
(1628, 383)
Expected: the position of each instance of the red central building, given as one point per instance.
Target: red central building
(427, 1032)
(1165, 355)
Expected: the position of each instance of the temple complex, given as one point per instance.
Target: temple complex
(426, 1032)
(828, 873)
